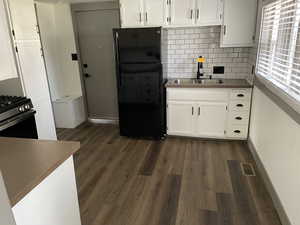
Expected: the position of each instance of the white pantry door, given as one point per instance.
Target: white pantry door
(7, 55)
(36, 86)
(24, 19)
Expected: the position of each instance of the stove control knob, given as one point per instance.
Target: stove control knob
(27, 107)
(21, 109)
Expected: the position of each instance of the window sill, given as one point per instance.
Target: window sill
(287, 103)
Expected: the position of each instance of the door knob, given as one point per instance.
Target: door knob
(86, 75)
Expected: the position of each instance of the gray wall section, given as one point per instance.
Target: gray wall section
(11, 87)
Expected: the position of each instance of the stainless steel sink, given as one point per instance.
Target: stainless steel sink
(198, 81)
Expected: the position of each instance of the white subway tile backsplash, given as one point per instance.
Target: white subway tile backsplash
(184, 45)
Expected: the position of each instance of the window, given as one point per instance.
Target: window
(279, 46)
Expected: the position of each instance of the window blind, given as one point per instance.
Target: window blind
(279, 45)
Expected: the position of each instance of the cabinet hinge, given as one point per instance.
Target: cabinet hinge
(16, 49)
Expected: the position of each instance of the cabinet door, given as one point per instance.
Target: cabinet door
(154, 14)
(239, 23)
(132, 14)
(181, 116)
(7, 63)
(24, 19)
(209, 12)
(34, 78)
(182, 12)
(211, 120)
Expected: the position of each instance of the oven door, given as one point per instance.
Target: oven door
(21, 126)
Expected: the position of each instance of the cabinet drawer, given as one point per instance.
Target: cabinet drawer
(237, 132)
(240, 94)
(215, 95)
(239, 118)
(239, 105)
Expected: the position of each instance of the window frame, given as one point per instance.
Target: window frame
(278, 90)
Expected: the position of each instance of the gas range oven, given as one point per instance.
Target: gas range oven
(17, 117)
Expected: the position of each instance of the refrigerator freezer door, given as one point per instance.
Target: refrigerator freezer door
(142, 45)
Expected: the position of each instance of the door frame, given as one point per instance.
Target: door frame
(86, 7)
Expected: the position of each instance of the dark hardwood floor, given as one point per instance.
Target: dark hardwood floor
(179, 181)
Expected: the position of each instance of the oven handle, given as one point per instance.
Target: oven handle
(16, 120)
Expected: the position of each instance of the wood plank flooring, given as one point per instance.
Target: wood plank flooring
(179, 181)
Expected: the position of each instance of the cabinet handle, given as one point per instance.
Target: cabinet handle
(192, 11)
(239, 105)
(238, 118)
(199, 111)
(198, 13)
(237, 131)
(224, 29)
(140, 17)
(241, 95)
(146, 17)
(192, 110)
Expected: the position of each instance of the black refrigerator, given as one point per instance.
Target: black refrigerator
(140, 81)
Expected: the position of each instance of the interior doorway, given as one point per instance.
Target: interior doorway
(94, 23)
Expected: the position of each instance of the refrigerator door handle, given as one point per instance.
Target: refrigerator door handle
(118, 58)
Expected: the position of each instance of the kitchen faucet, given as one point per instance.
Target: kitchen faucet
(200, 72)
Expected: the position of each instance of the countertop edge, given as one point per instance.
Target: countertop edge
(228, 83)
(207, 86)
(27, 189)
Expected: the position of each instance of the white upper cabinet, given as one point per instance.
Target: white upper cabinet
(140, 13)
(182, 13)
(24, 19)
(7, 63)
(154, 14)
(239, 22)
(131, 13)
(209, 12)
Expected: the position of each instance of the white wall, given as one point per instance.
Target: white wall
(11, 87)
(59, 43)
(276, 138)
(6, 215)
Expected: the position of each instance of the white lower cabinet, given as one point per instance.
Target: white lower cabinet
(181, 118)
(211, 119)
(208, 113)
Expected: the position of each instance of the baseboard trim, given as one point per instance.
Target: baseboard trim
(103, 121)
(269, 185)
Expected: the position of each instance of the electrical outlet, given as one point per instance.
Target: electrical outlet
(218, 70)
